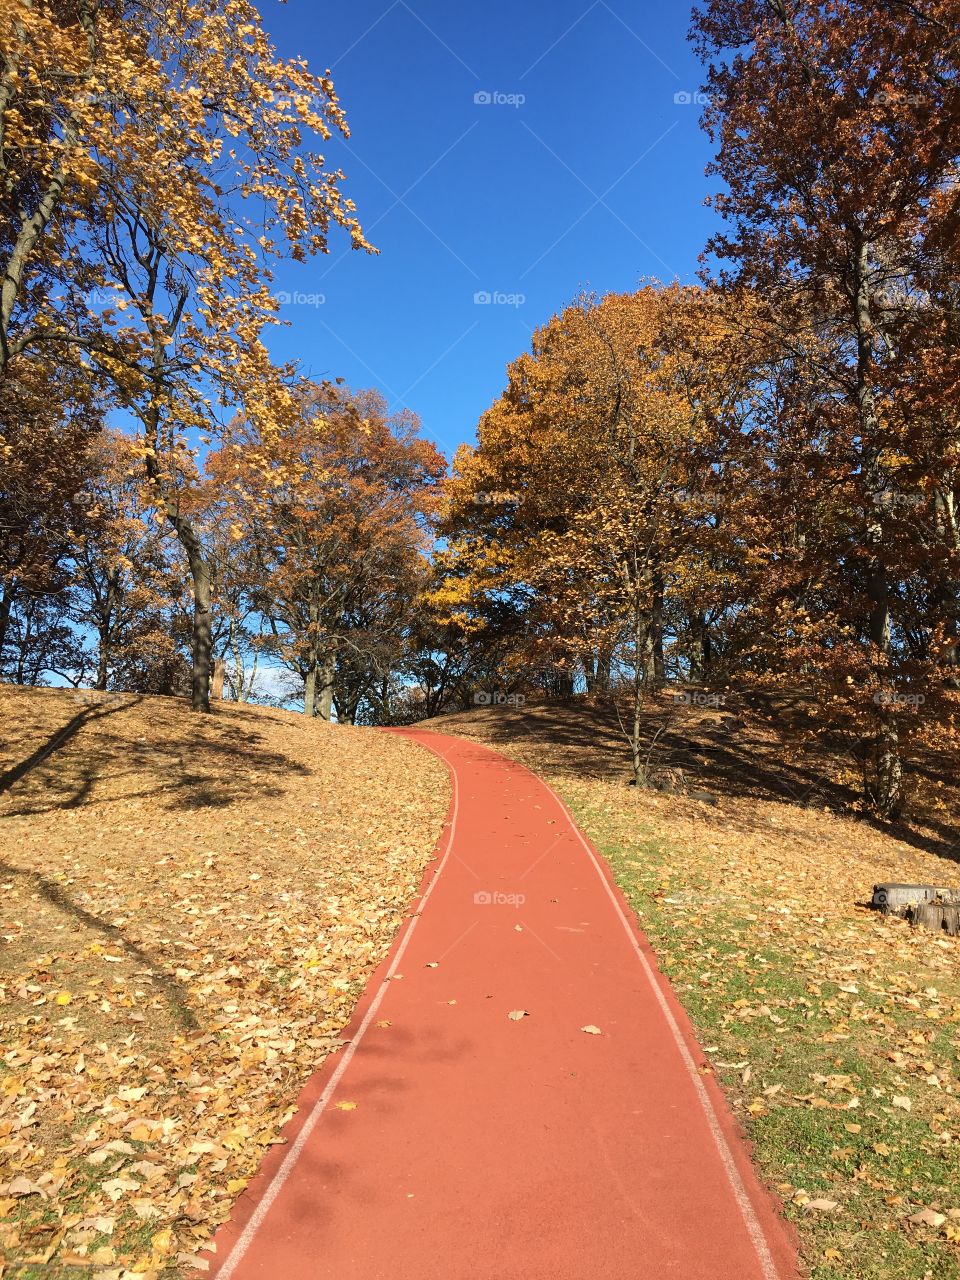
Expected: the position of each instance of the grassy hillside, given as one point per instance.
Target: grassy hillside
(190, 909)
(835, 1031)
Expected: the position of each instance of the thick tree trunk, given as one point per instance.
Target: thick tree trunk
(310, 691)
(200, 574)
(325, 683)
(888, 769)
(590, 663)
(701, 650)
(888, 782)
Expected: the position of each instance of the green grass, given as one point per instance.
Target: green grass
(772, 1023)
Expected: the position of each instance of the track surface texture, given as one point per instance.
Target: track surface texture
(449, 1141)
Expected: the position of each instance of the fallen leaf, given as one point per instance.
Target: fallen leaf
(928, 1218)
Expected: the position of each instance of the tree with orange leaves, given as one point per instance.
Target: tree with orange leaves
(576, 505)
(838, 135)
(335, 512)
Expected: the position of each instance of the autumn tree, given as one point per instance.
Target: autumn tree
(573, 506)
(838, 133)
(336, 511)
(125, 584)
(168, 151)
(49, 421)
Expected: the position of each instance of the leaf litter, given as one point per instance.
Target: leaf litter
(191, 907)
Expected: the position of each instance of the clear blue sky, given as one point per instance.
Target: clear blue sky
(583, 172)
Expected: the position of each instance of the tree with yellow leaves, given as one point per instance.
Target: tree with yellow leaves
(155, 161)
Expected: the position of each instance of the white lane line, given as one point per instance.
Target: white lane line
(236, 1254)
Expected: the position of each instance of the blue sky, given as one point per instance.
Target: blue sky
(574, 169)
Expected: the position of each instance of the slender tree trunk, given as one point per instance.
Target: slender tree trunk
(104, 630)
(103, 660)
(604, 660)
(202, 633)
(6, 604)
(311, 684)
(642, 654)
(657, 665)
(219, 675)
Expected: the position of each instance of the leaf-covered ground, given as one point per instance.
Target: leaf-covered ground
(835, 1031)
(190, 909)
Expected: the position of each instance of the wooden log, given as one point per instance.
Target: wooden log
(928, 915)
(900, 899)
(936, 916)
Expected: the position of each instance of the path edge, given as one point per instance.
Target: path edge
(233, 1237)
(731, 1139)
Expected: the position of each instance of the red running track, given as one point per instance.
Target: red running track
(485, 1148)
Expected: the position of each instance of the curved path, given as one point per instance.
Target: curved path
(480, 1147)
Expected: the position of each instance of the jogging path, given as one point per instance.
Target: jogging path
(448, 1141)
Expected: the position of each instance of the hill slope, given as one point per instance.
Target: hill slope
(190, 908)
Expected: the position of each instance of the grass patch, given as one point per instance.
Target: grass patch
(821, 1042)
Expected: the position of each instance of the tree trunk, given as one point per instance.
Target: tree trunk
(103, 660)
(888, 766)
(6, 603)
(657, 667)
(310, 691)
(219, 674)
(604, 667)
(590, 663)
(327, 678)
(200, 573)
(202, 633)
